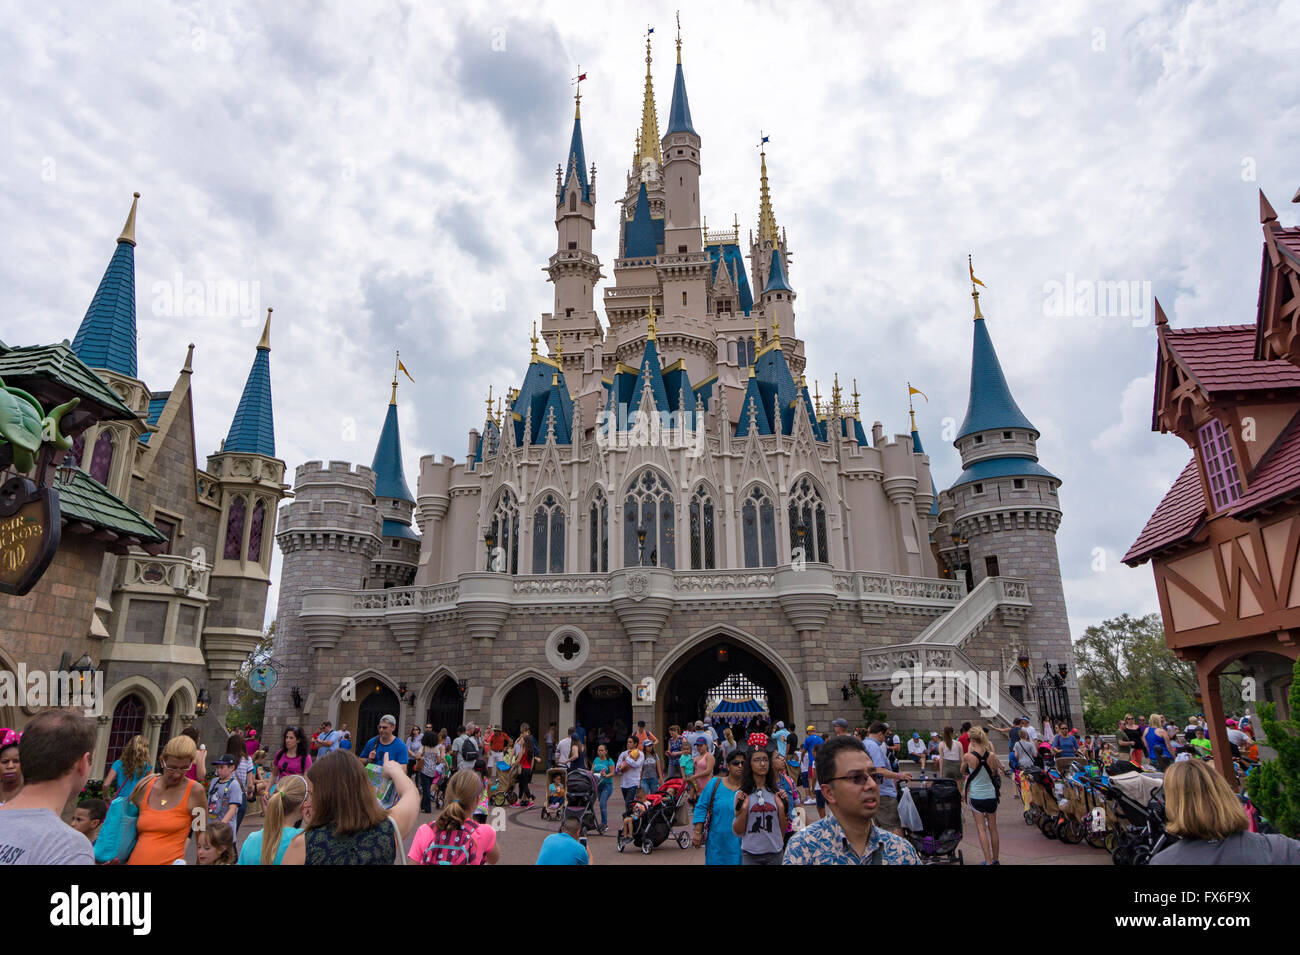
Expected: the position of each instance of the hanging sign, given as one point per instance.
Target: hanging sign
(29, 534)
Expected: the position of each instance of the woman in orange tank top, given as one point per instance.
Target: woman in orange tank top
(166, 803)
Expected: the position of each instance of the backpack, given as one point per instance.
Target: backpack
(451, 846)
(468, 751)
(983, 759)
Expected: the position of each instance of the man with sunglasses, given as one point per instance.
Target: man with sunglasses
(848, 836)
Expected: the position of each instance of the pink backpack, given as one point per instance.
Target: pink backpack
(451, 846)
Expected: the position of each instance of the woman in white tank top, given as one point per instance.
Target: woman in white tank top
(950, 754)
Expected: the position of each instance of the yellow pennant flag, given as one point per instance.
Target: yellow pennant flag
(402, 369)
(971, 266)
(916, 391)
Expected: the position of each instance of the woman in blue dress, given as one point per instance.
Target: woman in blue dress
(717, 806)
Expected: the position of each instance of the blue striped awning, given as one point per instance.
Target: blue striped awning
(749, 707)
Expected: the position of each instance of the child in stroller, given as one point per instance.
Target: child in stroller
(649, 822)
(580, 799)
(555, 794)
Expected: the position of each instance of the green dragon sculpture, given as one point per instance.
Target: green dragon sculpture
(24, 426)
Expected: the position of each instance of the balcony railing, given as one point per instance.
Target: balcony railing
(167, 575)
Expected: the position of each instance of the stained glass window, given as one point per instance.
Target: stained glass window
(101, 459)
(128, 723)
(758, 519)
(808, 522)
(1220, 463)
(255, 532)
(649, 508)
(234, 530)
(504, 530)
(599, 533)
(548, 537)
(702, 531)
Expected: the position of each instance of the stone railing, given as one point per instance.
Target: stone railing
(1008, 596)
(564, 585)
(879, 595)
(406, 598)
(918, 669)
(167, 575)
(705, 584)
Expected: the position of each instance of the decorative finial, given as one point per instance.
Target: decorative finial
(577, 96)
(679, 36)
(766, 218)
(128, 230)
(1266, 213)
(912, 391)
(489, 403)
(534, 340)
(835, 395)
(776, 330)
(856, 396)
(265, 343)
(974, 292)
(650, 320)
(500, 414)
(1161, 319)
(648, 146)
(188, 367)
(559, 350)
(817, 397)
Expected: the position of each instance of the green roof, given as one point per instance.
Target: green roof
(59, 364)
(88, 501)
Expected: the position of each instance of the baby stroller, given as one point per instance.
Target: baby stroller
(555, 776)
(655, 825)
(938, 801)
(1140, 807)
(580, 799)
(503, 792)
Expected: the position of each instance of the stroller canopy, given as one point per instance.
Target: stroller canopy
(732, 707)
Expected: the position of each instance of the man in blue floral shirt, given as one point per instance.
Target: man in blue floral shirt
(848, 836)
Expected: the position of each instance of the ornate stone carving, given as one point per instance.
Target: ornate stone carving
(638, 586)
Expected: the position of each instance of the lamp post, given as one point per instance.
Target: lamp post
(640, 543)
(66, 470)
(564, 687)
(202, 702)
(463, 686)
(295, 694)
(490, 539)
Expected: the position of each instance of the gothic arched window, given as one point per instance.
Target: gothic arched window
(255, 532)
(599, 533)
(702, 530)
(808, 522)
(648, 509)
(503, 531)
(548, 537)
(758, 520)
(101, 459)
(234, 530)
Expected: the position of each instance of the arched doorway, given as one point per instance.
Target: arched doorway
(533, 702)
(381, 701)
(446, 708)
(713, 664)
(604, 710)
(128, 722)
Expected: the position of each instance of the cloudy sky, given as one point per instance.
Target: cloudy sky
(383, 174)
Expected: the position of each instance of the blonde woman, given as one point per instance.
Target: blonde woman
(167, 803)
(1211, 825)
(127, 771)
(285, 813)
(454, 838)
(983, 770)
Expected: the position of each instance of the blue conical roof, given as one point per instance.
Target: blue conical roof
(776, 275)
(576, 157)
(106, 338)
(639, 236)
(991, 406)
(253, 429)
(649, 366)
(679, 114)
(387, 465)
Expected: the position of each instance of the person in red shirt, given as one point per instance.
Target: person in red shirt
(643, 735)
(964, 738)
(498, 743)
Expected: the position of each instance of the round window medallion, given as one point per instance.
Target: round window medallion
(566, 648)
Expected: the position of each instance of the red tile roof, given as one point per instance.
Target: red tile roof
(1222, 358)
(1177, 517)
(1289, 241)
(1278, 473)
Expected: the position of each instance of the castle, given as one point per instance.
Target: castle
(662, 514)
(161, 578)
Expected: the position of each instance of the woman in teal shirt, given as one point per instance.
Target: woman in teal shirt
(283, 821)
(719, 795)
(603, 767)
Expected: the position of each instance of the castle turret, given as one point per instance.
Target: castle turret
(399, 557)
(1002, 512)
(250, 480)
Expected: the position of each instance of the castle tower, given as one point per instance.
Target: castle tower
(768, 238)
(329, 534)
(1003, 511)
(778, 307)
(574, 269)
(399, 556)
(250, 480)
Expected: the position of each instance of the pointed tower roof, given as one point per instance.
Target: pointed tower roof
(106, 338)
(253, 429)
(776, 275)
(639, 236)
(650, 371)
(648, 138)
(575, 163)
(679, 114)
(991, 406)
(387, 464)
(766, 219)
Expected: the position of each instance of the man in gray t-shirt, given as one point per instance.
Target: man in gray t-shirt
(39, 837)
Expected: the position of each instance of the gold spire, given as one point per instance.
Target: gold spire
(128, 230)
(835, 395)
(577, 95)
(766, 219)
(489, 403)
(650, 320)
(647, 146)
(534, 341)
(776, 330)
(856, 396)
(679, 36)
(559, 350)
(817, 397)
(974, 292)
(265, 343)
(499, 415)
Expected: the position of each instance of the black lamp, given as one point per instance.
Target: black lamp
(66, 470)
(202, 703)
(564, 687)
(463, 686)
(296, 695)
(491, 540)
(640, 543)
(853, 681)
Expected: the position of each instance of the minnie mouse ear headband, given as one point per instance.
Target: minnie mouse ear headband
(9, 738)
(757, 741)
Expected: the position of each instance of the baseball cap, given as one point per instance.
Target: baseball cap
(916, 736)
(811, 729)
(840, 722)
(780, 725)
(933, 735)
(1232, 722)
(225, 759)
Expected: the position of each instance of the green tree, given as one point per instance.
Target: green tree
(870, 700)
(249, 708)
(1125, 666)
(1274, 786)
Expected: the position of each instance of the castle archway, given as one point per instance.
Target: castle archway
(530, 699)
(690, 678)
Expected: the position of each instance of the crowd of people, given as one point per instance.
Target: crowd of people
(751, 793)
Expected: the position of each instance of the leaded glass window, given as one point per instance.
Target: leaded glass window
(1220, 463)
(503, 531)
(101, 459)
(758, 522)
(548, 537)
(702, 531)
(255, 532)
(234, 530)
(599, 533)
(808, 522)
(648, 510)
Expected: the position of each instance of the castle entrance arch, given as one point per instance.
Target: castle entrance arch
(533, 702)
(446, 707)
(726, 663)
(380, 701)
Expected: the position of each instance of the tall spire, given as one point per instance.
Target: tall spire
(253, 429)
(575, 163)
(766, 219)
(387, 464)
(991, 406)
(106, 338)
(679, 114)
(648, 139)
